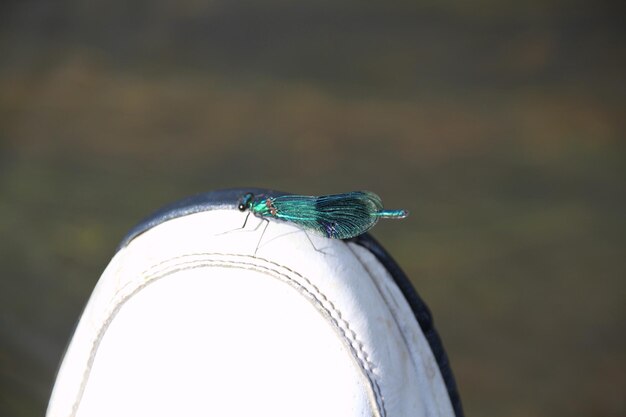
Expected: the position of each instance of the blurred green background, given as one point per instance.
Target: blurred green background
(499, 125)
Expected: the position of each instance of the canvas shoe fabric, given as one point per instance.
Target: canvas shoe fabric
(188, 320)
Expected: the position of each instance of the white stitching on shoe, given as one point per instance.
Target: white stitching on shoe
(199, 260)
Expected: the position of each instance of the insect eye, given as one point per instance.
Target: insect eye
(245, 202)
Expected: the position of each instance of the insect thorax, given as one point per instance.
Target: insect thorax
(264, 208)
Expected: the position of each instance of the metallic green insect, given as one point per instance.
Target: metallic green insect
(337, 216)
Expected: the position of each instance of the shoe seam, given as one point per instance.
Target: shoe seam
(205, 259)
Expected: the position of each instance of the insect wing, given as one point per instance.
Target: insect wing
(338, 216)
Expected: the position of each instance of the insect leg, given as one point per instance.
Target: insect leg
(243, 228)
(267, 222)
(299, 230)
(246, 220)
(312, 244)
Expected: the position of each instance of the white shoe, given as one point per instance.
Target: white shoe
(188, 321)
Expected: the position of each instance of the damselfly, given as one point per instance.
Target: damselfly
(337, 216)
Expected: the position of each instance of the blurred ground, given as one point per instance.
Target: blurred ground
(500, 126)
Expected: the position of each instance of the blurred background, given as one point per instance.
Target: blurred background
(499, 125)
